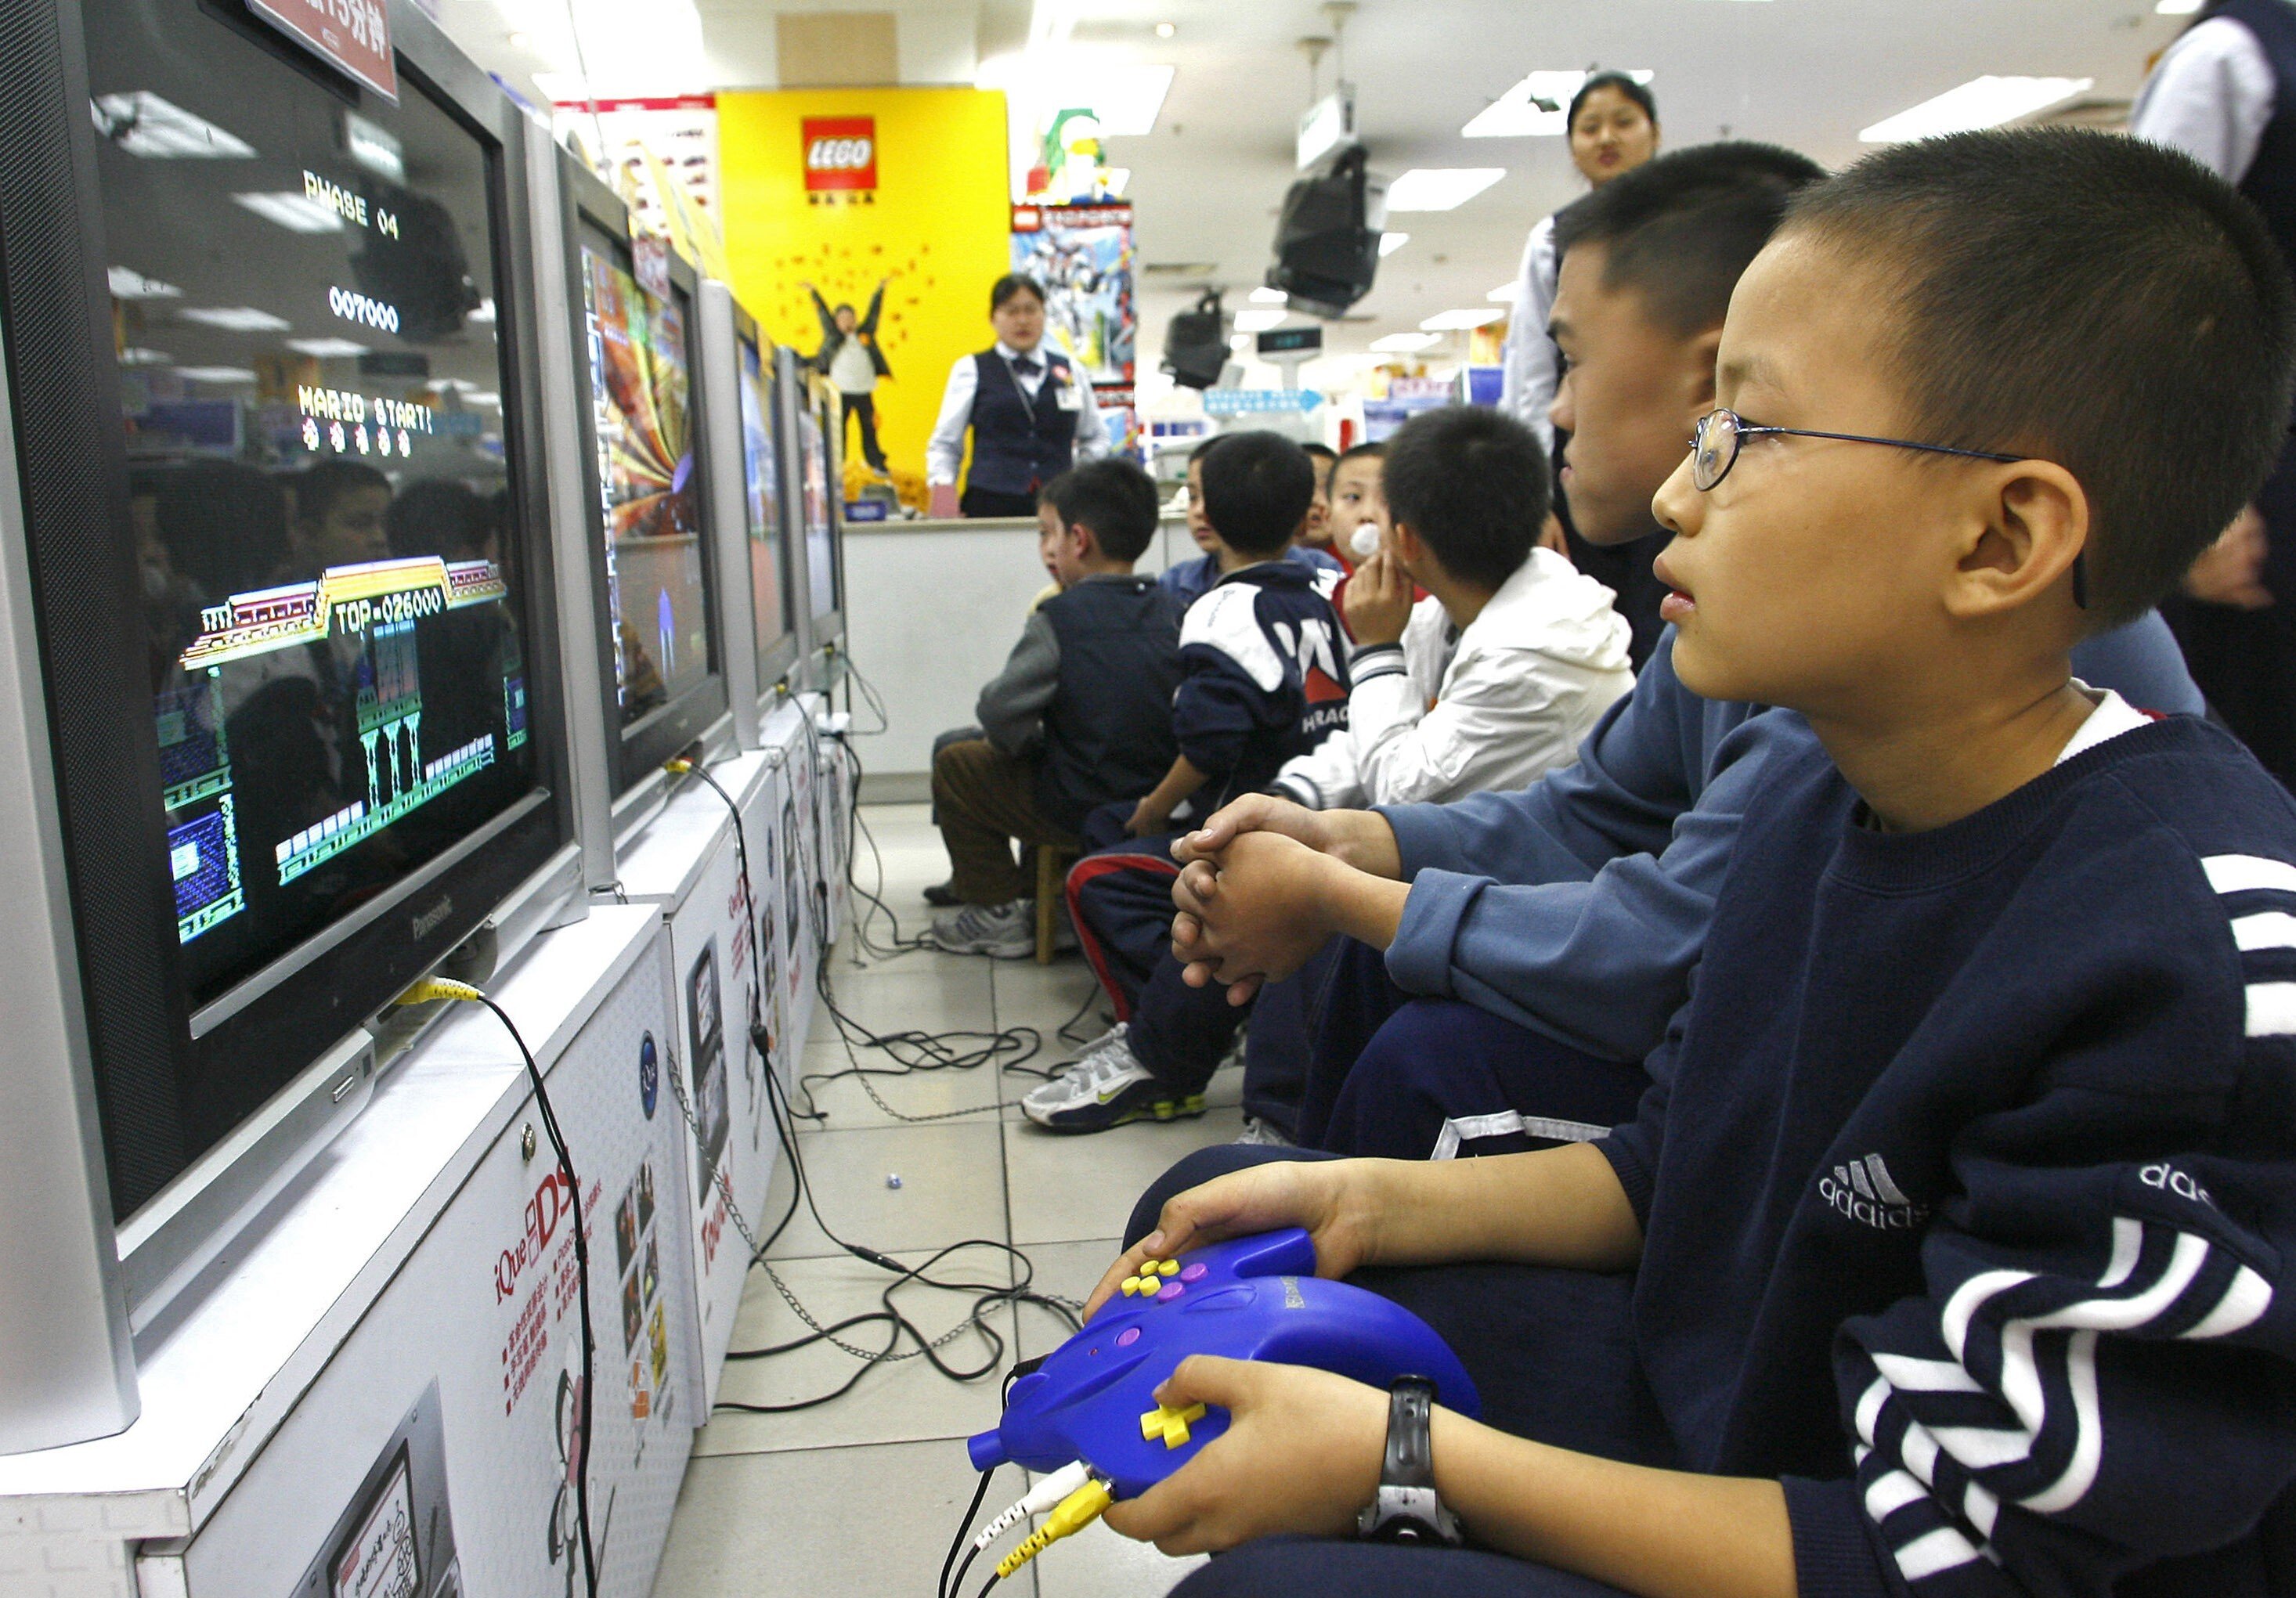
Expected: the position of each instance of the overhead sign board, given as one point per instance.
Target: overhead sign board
(354, 35)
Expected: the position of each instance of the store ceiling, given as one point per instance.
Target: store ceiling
(1208, 180)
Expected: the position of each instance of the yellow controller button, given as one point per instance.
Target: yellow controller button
(1172, 1425)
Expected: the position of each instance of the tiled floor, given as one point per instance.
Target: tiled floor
(861, 1496)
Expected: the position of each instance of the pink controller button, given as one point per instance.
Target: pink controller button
(1172, 1289)
(1195, 1273)
(1127, 1337)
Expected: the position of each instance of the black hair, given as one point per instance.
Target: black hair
(1638, 93)
(319, 487)
(1362, 452)
(225, 524)
(2098, 301)
(1681, 230)
(1472, 483)
(1111, 496)
(441, 516)
(1009, 284)
(1323, 451)
(1258, 487)
(845, 308)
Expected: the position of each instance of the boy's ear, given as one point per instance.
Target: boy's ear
(2031, 523)
(1700, 354)
(1411, 546)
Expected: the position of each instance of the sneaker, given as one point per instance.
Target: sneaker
(942, 896)
(1262, 1134)
(1105, 1088)
(1000, 932)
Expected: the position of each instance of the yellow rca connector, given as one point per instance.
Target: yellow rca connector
(431, 989)
(679, 766)
(1077, 1510)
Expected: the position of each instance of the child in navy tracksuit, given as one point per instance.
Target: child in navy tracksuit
(1265, 679)
(1959, 1211)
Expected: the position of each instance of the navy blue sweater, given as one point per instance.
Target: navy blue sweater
(1966, 1179)
(1267, 677)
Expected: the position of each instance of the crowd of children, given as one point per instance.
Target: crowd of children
(1835, 1087)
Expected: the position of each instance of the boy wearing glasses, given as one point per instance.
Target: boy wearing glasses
(1519, 953)
(1959, 1207)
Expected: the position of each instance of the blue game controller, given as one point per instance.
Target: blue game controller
(1252, 1298)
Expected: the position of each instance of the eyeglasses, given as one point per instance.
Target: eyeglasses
(1714, 450)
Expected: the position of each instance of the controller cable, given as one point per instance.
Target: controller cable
(436, 989)
(889, 1314)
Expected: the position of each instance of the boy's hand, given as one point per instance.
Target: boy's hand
(1360, 838)
(1378, 601)
(2231, 571)
(1302, 1455)
(1259, 910)
(1328, 1198)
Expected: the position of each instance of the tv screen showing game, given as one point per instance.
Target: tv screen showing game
(641, 383)
(816, 497)
(761, 486)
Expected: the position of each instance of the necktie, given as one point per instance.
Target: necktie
(1027, 366)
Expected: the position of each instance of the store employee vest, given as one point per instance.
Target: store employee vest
(1108, 732)
(2270, 181)
(1018, 445)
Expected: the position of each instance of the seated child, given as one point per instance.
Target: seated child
(1079, 716)
(1356, 502)
(1959, 1210)
(1265, 679)
(1315, 535)
(1551, 931)
(1189, 581)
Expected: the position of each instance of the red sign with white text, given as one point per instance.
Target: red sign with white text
(353, 34)
(840, 155)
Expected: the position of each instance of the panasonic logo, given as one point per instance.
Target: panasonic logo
(432, 919)
(1862, 1190)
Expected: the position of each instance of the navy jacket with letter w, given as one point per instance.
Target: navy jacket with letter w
(1267, 677)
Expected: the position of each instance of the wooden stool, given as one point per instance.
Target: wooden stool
(1053, 863)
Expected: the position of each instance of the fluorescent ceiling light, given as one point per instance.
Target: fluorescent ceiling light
(133, 285)
(1981, 102)
(2177, 8)
(1439, 188)
(1406, 343)
(1240, 343)
(141, 123)
(216, 375)
(1389, 243)
(373, 147)
(1505, 293)
(1126, 96)
(133, 357)
(295, 212)
(1519, 113)
(1259, 321)
(1445, 322)
(483, 397)
(235, 319)
(451, 385)
(327, 350)
(1263, 295)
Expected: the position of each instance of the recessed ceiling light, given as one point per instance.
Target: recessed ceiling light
(295, 212)
(1165, 31)
(133, 357)
(1406, 343)
(1521, 112)
(1439, 188)
(1259, 321)
(142, 123)
(1505, 293)
(127, 284)
(1445, 322)
(327, 350)
(234, 318)
(1981, 102)
(1263, 295)
(217, 374)
(1389, 243)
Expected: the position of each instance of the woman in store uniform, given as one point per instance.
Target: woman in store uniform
(1029, 410)
(2222, 93)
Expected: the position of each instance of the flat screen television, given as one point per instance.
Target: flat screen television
(649, 514)
(772, 597)
(816, 497)
(269, 368)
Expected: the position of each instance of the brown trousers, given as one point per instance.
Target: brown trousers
(984, 800)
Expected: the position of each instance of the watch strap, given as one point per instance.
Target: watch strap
(1407, 1509)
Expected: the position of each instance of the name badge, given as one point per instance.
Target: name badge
(1069, 397)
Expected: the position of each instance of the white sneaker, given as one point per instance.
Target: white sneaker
(1261, 1134)
(1105, 1088)
(1000, 932)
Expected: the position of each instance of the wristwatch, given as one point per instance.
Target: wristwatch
(1407, 1509)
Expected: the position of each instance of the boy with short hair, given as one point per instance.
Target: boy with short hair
(1315, 536)
(1189, 581)
(1359, 509)
(1079, 716)
(1961, 1208)
(1265, 680)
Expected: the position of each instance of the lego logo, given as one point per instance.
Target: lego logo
(840, 155)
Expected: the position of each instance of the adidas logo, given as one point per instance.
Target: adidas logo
(1862, 1191)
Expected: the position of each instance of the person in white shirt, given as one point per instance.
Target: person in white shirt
(1030, 414)
(1614, 128)
(850, 358)
(2217, 94)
